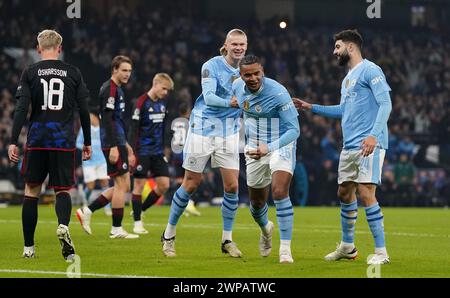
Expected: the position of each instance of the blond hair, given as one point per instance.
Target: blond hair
(223, 50)
(48, 39)
(163, 77)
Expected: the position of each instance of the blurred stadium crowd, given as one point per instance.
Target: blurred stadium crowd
(416, 64)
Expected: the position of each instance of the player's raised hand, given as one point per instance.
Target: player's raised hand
(301, 105)
(13, 153)
(87, 152)
(114, 155)
(368, 145)
(234, 102)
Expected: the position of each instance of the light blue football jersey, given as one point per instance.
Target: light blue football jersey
(217, 118)
(359, 105)
(269, 114)
(97, 157)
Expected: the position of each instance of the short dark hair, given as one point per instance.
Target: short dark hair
(115, 64)
(350, 35)
(249, 59)
(183, 107)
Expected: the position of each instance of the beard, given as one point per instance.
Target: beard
(343, 58)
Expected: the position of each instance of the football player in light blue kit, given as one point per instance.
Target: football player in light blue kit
(95, 168)
(271, 130)
(213, 133)
(364, 109)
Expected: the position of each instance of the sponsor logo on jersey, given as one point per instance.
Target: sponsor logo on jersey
(157, 118)
(377, 80)
(135, 115)
(287, 106)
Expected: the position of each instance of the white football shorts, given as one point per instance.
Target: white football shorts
(223, 151)
(356, 168)
(97, 172)
(259, 172)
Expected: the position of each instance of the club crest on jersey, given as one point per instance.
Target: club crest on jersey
(135, 115)
(139, 168)
(111, 102)
(246, 105)
(258, 109)
(163, 109)
(150, 110)
(124, 166)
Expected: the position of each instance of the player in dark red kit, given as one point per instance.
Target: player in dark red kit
(54, 89)
(118, 153)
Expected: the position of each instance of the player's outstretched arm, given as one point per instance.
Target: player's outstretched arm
(301, 105)
(334, 111)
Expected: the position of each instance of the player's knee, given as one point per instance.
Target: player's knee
(191, 184)
(279, 193)
(122, 183)
(62, 194)
(163, 186)
(344, 195)
(257, 204)
(231, 187)
(367, 198)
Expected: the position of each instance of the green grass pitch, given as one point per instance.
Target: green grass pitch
(418, 242)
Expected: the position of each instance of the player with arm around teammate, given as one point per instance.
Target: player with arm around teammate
(213, 134)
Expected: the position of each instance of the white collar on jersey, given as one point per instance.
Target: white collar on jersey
(356, 66)
(228, 65)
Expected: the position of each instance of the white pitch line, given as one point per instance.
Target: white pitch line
(82, 274)
(309, 228)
